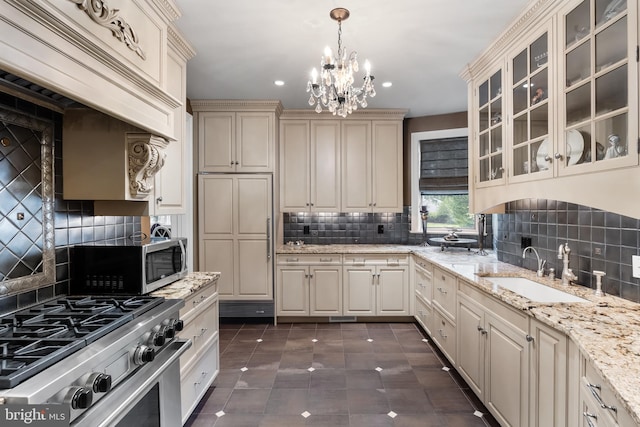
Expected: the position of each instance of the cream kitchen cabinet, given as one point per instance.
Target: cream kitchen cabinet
(310, 165)
(309, 285)
(235, 230)
(423, 289)
(568, 108)
(236, 136)
(200, 365)
(371, 166)
(376, 285)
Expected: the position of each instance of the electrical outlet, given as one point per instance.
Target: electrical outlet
(635, 261)
(305, 229)
(380, 228)
(597, 250)
(525, 242)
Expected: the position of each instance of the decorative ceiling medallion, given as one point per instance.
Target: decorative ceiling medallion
(99, 12)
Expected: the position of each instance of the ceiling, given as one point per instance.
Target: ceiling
(421, 46)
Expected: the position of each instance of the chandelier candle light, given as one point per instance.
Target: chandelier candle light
(335, 90)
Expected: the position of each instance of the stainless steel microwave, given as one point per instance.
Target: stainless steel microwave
(126, 267)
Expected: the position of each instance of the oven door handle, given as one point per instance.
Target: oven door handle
(144, 378)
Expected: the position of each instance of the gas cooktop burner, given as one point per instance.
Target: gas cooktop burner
(36, 338)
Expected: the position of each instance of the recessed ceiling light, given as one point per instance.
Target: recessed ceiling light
(279, 83)
(387, 84)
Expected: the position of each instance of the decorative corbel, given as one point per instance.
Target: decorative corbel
(146, 157)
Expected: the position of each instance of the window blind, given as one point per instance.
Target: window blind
(444, 167)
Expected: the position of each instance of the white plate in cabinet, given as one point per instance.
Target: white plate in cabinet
(444, 335)
(195, 382)
(444, 291)
(424, 315)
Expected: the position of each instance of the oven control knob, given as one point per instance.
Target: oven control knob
(143, 354)
(99, 383)
(168, 331)
(157, 339)
(178, 325)
(80, 397)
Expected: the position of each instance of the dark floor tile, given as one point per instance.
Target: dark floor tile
(327, 402)
(247, 401)
(367, 401)
(449, 400)
(295, 326)
(234, 360)
(257, 378)
(287, 401)
(271, 345)
(354, 334)
(337, 326)
(292, 378)
(359, 346)
(363, 379)
(201, 420)
(392, 361)
(386, 347)
(352, 326)
(378, 326)
(239, 420)
(328, 420)
(264, 360)
(234, 326)
(302, 360)
(328, 346)
(399, 378)
(279, 327)
(421, 420)
(227, 378)
(408, 401)
(328, 360)
(333, 379)
(415, 347)
(423, 360)
(403, 326)
(434, 378)
(241, 347)
(368, 420)
(462, 420)
(298, 345)
(360, 361)
(216, 400)
(276, 420)
(328, 334)
(255, 326)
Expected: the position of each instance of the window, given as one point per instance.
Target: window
(443, 187)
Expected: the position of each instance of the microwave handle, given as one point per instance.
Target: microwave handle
(183, 256)
(268, 238)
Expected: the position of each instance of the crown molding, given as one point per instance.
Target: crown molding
(236, 105)
(179, 43)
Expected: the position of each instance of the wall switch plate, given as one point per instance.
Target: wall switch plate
(305, 229)
(380, 228)
(525, 242)
(635, 262)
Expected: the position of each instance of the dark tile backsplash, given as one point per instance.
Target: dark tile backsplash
(598, 240)
(352, 228)
(74, 219)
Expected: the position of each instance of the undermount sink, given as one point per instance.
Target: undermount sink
(533, 290)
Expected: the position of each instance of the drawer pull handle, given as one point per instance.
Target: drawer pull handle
(482, 330)
(593, 388)
(202, 377)
(443, 291)
(202, 331)
(588, 416)
(442, 334)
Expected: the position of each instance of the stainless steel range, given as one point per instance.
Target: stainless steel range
(110, 360)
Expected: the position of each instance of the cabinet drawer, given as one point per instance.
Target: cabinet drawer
(295, 259)
(444, 334)
(424, 314)
(193, 301)
(424, 283)
(594, 389)
(376, 259)
(200, 330)
(195, 382)
(444, 291)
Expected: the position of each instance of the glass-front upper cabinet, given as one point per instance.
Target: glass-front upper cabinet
(531, 109)
(600, 110)
(490, 127)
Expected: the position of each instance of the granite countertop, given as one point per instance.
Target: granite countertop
(605, 328)
(187, 286)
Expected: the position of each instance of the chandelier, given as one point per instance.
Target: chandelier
(335, 90)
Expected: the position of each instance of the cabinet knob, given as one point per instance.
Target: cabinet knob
(548, 158)
(312, 204)
(558, 156)
(159, 199)
(529, 338)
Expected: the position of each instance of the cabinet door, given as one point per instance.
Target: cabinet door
(548, 376)
(356, 166)
(386, 143)
(294, 166)
(254, 146)
(216, 141)
(471, 344)
(325, 166)
(392, 291)
(423, 283)
(359, 290)
(293, 291)
(506, 372)
(254, 266)
(326, 291)
(253, 210)
(216, 206)
(218, 255)
(489, 107)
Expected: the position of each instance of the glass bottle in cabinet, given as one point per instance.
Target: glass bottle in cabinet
(530, 91)
(596, 86)
(490, 128)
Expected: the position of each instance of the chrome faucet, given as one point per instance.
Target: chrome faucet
(567, 274)
(541, 262)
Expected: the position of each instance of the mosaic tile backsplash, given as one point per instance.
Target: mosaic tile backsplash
(74, 220)
(598, 240)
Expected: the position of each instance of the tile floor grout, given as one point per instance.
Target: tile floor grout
(279, 405)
